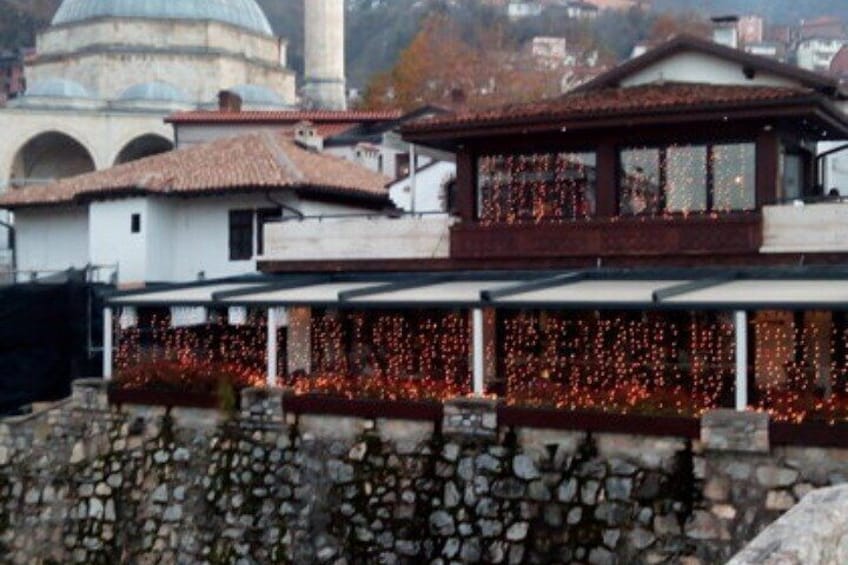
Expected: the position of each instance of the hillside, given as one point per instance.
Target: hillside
(774, 11)
(378, 30)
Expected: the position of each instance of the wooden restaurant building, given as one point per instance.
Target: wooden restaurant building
(655, 243)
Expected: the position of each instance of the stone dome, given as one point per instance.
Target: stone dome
(242, 13)
(57, 88)
(255, 95)
(154, 91)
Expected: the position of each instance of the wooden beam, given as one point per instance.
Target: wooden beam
(466, 185)
(768, 158)
(606, 179)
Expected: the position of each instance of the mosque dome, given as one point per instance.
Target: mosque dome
(255, 95)
(155, 92)
(241, 13)
(57, 88)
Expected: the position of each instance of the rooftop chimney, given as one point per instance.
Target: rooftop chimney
(229, 101)
(306, 135)
(726, 31)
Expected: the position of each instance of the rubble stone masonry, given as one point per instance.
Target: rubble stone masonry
(89, 483)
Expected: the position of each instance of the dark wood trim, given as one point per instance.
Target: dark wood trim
(767, 159)
(809, 434)
(449, 135)
(754, 259)
(119, 396)
(607, 180)
(363, 408)
(466, 185)
(631, 424)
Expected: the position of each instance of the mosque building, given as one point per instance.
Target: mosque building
(106, 73)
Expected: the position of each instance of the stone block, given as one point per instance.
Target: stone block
(263, 405)
(730, 430)
(470, 417)
(90, 394)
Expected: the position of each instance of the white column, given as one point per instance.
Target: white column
(412, 179)
(107, 344)
(478, 351)
(271, 378)
(740, 321)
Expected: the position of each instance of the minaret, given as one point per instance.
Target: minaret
(324, 54)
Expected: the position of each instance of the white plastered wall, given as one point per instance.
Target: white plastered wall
(51, 239)
(703, 68)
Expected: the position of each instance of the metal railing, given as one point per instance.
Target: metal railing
(371, 216)
(107, 274)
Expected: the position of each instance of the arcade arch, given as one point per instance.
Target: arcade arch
(143, 146)
(48, 156)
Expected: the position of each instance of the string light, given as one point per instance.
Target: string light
(391, 355)
(536, 188)
(153, 355)
(669, 181)
(617, 362)
(623, 362)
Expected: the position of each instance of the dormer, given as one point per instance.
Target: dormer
(306, 135)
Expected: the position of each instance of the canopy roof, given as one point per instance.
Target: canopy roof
(670, 289)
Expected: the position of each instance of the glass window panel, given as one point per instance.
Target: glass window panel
(537, 187)
(734, 174)
(639, 181)
(793, 173)
(686, 178)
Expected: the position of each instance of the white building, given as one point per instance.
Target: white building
(816, 53)
(580, 10)
(106, 72)
(364, 137)
(186, 214)
(524, 9)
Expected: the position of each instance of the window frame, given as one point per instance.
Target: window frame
(588, 157)
(663, 177)
(240, 231)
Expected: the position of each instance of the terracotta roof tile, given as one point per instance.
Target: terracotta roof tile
(618, 101)
(283, 116)
(262, 160)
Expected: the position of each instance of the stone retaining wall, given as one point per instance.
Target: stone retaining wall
(814, 531)
(88, 483)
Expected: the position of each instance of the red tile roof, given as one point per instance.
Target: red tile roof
(283, 116)
(256, 161)
(611, 102)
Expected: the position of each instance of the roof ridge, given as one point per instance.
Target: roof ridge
(280, 156)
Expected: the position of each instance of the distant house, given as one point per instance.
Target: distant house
(819, 41)
(191, 213)
(524, 9)
(581, 10)
(770, 49)
(362, 137)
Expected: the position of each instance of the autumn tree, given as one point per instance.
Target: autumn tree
(446, 64)
(669, 25)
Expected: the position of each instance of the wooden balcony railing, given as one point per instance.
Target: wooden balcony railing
(728, 234)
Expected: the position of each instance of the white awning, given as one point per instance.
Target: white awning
(191, 295)
(590, 292)
(322, 293)
(693, 290)
(437, 293)
(760, 293)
